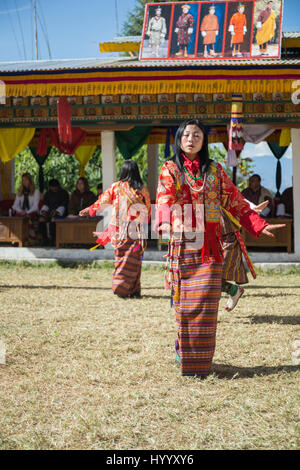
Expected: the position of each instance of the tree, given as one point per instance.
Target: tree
(244, 170)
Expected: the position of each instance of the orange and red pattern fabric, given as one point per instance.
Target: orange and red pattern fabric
(196, 279)
(127, 205)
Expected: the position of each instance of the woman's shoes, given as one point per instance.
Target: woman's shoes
(233, 300)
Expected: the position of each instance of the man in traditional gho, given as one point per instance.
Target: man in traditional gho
(266, 26)
(238, 29)
(157, 31)
(184, 30)
(192, 185)
(209, 30)
(131, 209)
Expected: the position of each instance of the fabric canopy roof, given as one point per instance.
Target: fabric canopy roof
(122, 77)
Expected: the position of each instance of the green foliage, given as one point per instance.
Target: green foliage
(93, 170)
(63, 167)
(245, 165)
(58, 165)
(67, 169)
(25, 162)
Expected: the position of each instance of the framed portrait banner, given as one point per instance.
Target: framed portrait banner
(222, 29)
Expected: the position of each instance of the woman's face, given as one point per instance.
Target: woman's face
(185, 10)
(25, 182)
(80, 186)
(192, 140)
(158, 12)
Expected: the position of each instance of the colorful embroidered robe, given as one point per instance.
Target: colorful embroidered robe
(184, 22)
(121, 197)
(174, 191)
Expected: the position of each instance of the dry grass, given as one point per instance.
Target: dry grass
(107, 378)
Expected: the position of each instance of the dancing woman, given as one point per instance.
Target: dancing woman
(192, 181)
(131, 210)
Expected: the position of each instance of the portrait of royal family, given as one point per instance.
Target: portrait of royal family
(266, 28)
(156, 42)
(211, 30)
(238, 29)
(184, 31)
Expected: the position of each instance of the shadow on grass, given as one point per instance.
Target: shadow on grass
(224, 371)
(23, 286)
(282, 320)
(272, 287)
(265, 295)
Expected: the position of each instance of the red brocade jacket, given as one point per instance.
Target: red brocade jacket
(123, 199)
(175, 192)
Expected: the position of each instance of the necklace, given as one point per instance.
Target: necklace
(191, 176)
(194, 189)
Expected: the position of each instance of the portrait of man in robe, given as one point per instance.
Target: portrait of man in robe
(267, 28)
(184, 30)
(210, 41)
(155, 42)
(238, 29)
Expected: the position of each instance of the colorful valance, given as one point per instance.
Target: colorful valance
(219, 78)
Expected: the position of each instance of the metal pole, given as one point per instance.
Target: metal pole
(35, 32)
(117, 20)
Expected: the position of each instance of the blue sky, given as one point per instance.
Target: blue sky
(75, 27)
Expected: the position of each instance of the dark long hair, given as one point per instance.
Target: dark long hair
(85, 182)
(203, 154)
(130, 172)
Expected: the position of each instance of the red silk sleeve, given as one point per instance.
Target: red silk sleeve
(105, 198)
(165, 197)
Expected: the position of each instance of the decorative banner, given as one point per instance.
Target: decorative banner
(227, 29)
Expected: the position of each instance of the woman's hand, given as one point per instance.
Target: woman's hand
(258, 209)
(269, 228)
(164, 229)
(85, 212)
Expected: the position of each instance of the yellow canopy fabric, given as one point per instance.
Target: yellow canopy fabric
(119, 46)
(285, 137)
(83, 154)
(241, 78)
(13, 141)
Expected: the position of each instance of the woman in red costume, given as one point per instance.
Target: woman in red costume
(131, 208)
(191, 191)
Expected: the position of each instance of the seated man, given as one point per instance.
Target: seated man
(286, 203)
(257, 194)
(55, 205)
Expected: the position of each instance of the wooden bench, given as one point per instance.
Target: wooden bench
(282, 239)
(77, 231)
(14, 230)
(283, 236)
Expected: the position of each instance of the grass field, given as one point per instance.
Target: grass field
(87, 370)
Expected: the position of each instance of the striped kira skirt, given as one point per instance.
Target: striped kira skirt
(196, 288)
(128, 266)
(233, 266)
